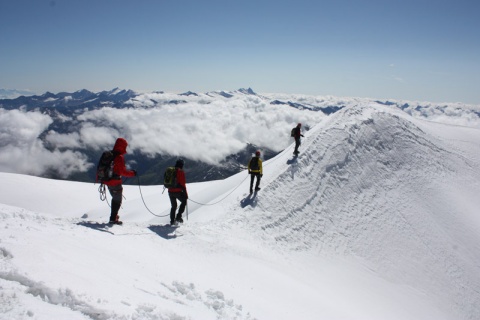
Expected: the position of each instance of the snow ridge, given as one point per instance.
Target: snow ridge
(363, 188)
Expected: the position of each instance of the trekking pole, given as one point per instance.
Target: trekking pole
(187, 211)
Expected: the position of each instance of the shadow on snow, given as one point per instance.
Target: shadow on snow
(166, 231)
(96, 226)
(250, 200)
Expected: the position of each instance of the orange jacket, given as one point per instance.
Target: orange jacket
(119, 168)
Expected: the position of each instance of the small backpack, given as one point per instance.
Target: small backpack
(105, 166)
(292, 133)
(254, 164)
(170, 177)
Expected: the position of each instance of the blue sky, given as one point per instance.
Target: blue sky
(405, 49)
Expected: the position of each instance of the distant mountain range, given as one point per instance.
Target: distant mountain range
(14, 93)
(66, 110)
(118, 98)
(68, 102)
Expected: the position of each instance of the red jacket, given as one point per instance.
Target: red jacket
(297, 133)
(181, 181)
(119, 168)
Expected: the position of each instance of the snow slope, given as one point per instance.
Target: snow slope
(376, 219)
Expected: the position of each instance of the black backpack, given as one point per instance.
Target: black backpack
(292, 133)
(105, 166)
(254, 164)
(170, 178)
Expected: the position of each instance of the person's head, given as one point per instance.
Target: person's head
(121, 146)
(299, 125)
(257, 153)
(179, 163)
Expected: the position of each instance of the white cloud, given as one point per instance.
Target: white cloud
(19, 128)
(21, 150)
(89, 136)
(207, 128)
(97, 137)
(70, 140)
(450, 114)
(207, 132)
(398, 79)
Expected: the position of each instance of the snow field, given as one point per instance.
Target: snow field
(376, 219)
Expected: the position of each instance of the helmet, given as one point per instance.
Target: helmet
(179, 164)
(257, 153)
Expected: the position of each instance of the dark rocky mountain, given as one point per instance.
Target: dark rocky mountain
(67, 103)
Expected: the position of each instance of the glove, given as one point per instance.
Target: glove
(134, 172)
(261, 175)
(249, 172)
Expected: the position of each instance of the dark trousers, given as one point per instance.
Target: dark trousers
(297, 144)
(117, 195)
(174, 196)
(252, 179)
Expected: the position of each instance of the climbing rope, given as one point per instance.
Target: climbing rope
(211, 204)
(141, 195)
(103, 193)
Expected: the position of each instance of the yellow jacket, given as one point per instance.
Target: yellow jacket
(253, 169)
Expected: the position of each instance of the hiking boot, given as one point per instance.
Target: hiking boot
(179, 219)
(257, 189)
(115, 222)
(173, 223)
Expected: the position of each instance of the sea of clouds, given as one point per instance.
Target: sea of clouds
(22, 151)
(204, 128)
